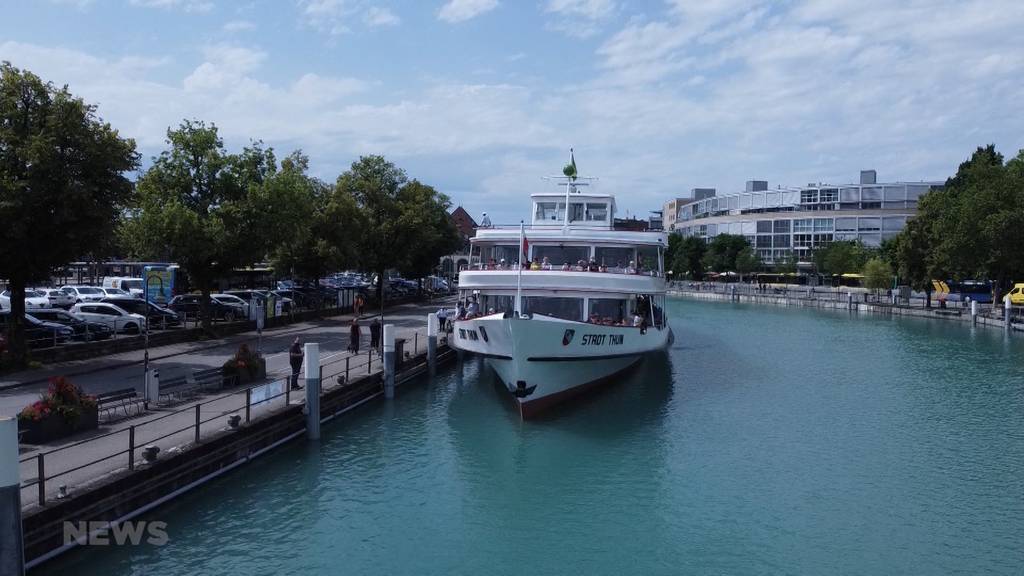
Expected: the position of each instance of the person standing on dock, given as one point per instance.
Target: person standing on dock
(295, 356)
(375, 335)
(353, 337)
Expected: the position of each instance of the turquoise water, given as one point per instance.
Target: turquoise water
(769, 441)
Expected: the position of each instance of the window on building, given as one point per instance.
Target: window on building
(764, 226)
(822, 224)
(803, 225)
(829, 195)
(869, 224)
(808, 196)
(822, 239)
(764, 241)
(564, 308)
(781, 241)
(846, 224)
(871, 194)
(849, 194)
(781, 226)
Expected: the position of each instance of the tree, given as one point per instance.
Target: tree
(313, 223)
(688, 257)
(722, 251)
(877, 274)
(788, 264)
(844, 257)
(204, 208)
(400, 220)
(62, 185)
(747, 261)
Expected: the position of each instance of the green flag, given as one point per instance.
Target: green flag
(570, 168)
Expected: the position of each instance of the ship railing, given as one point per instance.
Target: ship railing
(476, 266)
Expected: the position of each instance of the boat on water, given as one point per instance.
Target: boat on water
(565, 303)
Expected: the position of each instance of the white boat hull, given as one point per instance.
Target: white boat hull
(544, 361)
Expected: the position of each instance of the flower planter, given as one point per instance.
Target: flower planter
(245, 376)
(54, 426)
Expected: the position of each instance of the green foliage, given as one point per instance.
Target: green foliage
(722, 251)
(204, 208)
(62, 185)
(841, 258)
(747, 261)
(404, 224)
(787, 265)
(877, 274)
(685, 257)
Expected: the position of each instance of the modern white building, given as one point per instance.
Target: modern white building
(786, 219)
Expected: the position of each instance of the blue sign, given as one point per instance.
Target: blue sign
(158, 284)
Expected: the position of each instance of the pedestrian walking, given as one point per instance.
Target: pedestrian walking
(353, 337)
(358, 305)
(295, 356)
(375, 335)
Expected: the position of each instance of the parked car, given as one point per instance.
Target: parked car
(188, 304)
(232, 300)
(33, 299)
(39, 333)
(117, 318)
(84, 293)
(158, 316)
(83, 329)
(1016, 294)
(299, 300)
(58, 298)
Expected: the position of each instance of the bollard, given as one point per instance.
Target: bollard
(849, 300)
(389, 360)
(432, 343)
(974, 312)
(152, 386)
(1007, 310)
(312, 407)
(12, 553)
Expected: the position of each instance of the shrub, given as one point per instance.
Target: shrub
(62, 398)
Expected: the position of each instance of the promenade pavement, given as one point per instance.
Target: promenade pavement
(177, 421)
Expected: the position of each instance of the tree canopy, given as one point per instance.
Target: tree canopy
(877, 274)
(62, 184)
(685, 256)
(842, 257)
(721, 252)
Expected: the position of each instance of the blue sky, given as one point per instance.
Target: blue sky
(481, 98)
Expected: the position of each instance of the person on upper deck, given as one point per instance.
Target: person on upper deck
(631, 269)
(534, 265)
(545, 264)
(486, 222)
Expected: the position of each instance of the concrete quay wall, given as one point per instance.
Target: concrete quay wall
(956, 315)
(135, 492)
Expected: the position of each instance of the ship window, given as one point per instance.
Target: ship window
(548, 211)
(558, 255)
(597, 212)
(576, 210)
(564, 308)
(510, 254)
(613, 258)
(647, 259)
(492, 303)
(607, 311)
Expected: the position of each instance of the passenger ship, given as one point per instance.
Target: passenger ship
(586, 303)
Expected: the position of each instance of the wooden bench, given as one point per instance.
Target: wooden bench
(212, 378)
(179, 386)
(125, 399)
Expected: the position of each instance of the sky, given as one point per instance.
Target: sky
(482, 98)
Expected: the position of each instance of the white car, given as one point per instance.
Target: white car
(233, 301)
(116, 293)
(33, 299)
(117, 318)
(57, 298)
(84, 293)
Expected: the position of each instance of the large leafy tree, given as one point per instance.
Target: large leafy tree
(843, 257)
(747, 261)
(313, 224)
(912, 247)
(62, 185)
(722, 251)
(204, 208)
(401, 222)
(687, 258)
(877, 274)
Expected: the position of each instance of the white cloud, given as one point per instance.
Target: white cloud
(80, 4)
(579, 18)
(186, 5)
(239, 26)
(455, 11)
(375, 16)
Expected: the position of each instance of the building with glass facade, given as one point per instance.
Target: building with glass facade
(783, 220)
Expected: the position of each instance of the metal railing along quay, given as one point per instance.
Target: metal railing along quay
(98, 456)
